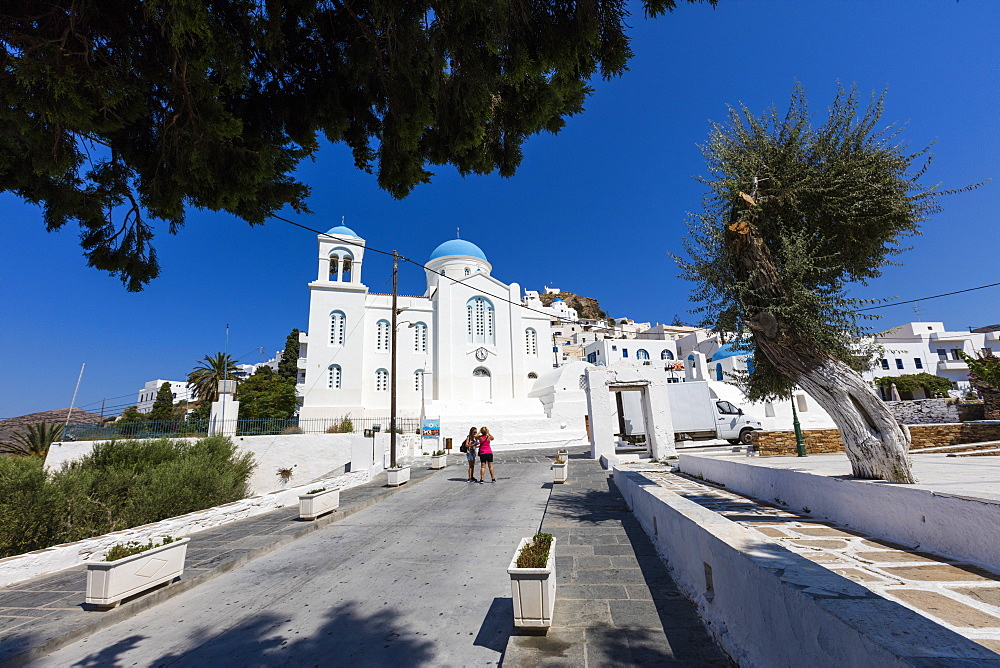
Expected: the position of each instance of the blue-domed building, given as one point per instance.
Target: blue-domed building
(466, 350)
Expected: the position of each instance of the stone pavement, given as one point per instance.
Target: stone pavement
(45, 613)
(963, 598)
(615, 602)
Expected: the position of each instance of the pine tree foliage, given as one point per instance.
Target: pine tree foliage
(118, 115)
(163, 405)
(831, 205)
(288, 365)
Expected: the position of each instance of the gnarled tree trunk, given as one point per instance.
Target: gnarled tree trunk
(875, 442)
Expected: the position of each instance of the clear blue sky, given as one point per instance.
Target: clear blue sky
(594, 209)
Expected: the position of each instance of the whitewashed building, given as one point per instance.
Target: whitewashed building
(927, 347)
(147, 395)
(467, 351)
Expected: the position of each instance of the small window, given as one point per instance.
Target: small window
(468, 272)
(768, 409)
(942, 355)
(899, 363)
(800, 399)
(338, 322)
(418, 380)
(333, 377)
(918, 363)
(955, 354)
(532, 376)
(614, 347)
(624, 352)
(420, 338)
(642, 354)
(666, 355)
(382, 328)
(381, 380)
(885, 364)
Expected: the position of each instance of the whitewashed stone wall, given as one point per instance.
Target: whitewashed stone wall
(924, 411)
(59, 557)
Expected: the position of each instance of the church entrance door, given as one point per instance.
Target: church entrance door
(482, 385)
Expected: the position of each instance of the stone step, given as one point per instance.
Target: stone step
(981, 453)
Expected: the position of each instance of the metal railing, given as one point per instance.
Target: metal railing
(261, 427)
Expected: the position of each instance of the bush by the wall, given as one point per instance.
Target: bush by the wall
(121, 484)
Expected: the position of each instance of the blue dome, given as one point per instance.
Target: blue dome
(556, 300)
(458, 247)
(342, 231)
(728, 350)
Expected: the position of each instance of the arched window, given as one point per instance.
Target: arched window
(718, 371)
(641, 354)
(333, 377)
(381, 380)
(468, 272)
(480, 372)
(532, 376)
(420, 338)
(418, 380)
(666, 355)
(531, 342)
(479, 320)
(382, 335)
(338, 325)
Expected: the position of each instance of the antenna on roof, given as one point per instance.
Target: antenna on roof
(342, 219)
(916, 309)
(458, 231)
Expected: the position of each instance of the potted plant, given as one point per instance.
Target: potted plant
(560, 468)
(131, 568)
(533, 581)
(318, 502)
(439, 460)
(398, 475)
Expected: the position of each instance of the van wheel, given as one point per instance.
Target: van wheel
(746, 436)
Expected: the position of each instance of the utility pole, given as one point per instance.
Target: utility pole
(555, 352)
(392, 372)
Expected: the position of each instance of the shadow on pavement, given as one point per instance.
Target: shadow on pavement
(497, 626)
(345, 638)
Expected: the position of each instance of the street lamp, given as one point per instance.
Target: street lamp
(800, 446)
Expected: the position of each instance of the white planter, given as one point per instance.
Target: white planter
(534, 590)
(312, 506)
(560, 471)
(398, 477)
(108, 582)
(562, 457)
(439, 461)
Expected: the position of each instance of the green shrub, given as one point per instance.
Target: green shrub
(121, 484)
(536, 553)
(122, 550)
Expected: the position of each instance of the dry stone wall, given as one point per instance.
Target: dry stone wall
(824, 441)
(925, 411)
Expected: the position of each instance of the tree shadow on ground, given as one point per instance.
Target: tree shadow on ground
(346, 637)
(107, 655)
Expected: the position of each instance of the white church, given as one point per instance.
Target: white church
(468, 351)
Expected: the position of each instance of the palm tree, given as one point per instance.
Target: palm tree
(206, 376)
(36, 441)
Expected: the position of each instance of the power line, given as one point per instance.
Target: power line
(921, 299)
(425, 267)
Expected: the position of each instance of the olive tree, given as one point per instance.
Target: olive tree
(794, 214)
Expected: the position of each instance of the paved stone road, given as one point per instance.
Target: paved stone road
(420, 579)
(615, 602)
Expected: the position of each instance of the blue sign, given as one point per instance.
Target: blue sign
(431, 428)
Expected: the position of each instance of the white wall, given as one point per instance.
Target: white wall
(769, 607)
(952, 526)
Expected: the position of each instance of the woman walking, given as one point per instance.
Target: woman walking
(485, 454)
(471, 444)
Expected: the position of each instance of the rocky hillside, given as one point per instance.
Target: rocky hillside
(586, 307)
(20, 424)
